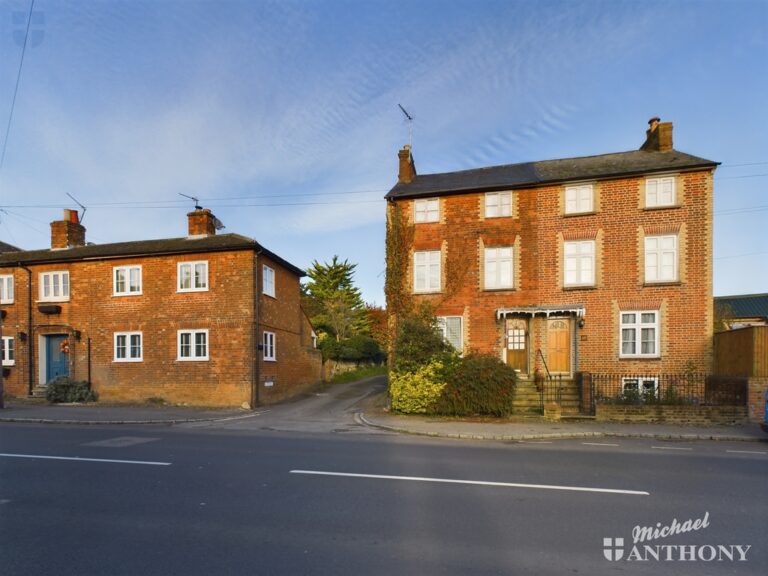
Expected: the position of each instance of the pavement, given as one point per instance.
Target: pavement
(362, 405)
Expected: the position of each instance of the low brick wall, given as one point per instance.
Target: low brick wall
(673, 414)
(756, 398)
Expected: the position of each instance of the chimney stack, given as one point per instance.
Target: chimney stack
(658, 137)
(68, 232)
(407, 167)
(201, 222)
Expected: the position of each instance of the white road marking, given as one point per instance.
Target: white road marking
(78, 459)
(598, 444)
(473, 482)
(745, 452)
(669, 448)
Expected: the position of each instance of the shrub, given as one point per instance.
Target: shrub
(418, 341)
(417, 392)
(62, 389)
(477, 385)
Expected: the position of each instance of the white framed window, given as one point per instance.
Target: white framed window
(126, 280)
(661, 258)
(643, 386)
(128, 347)
(498, 204)
(498, 269)
(579, 199)
(268, 281)
(426, 271)
(427, 210)
(192, 345)
(579, 258)
(54, 286)
(270, 353)
(193, 276)
(660, 192)
(6, 289)
(451, 328)
(7, 351)
(639, 334)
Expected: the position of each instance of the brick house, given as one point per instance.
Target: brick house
(208, 319)
(600, 264)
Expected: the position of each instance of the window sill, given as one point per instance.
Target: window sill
(505, 289)
(6, 301)
(121, 294)
(59, 301)
(269, 295)
(665, 207)
(180, 291)
(127, 360)
(639, 358)
(583, 287)
(667, 283)
(270, 359)
(572, 214)
(191, 359)
(497, 217)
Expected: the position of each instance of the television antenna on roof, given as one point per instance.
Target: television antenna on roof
(409, 119)
(82, 216)
(197, 201)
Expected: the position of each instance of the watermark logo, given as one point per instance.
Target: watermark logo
(613, 549)
(645, 546)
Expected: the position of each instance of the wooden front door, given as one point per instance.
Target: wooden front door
(559, 345)
(56, 359)
(517, 344)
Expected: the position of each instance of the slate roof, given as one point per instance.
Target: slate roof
(167, 246)
(5, 247)
(744, 306)
(530, 174)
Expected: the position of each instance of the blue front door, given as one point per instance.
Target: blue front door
(56, 360)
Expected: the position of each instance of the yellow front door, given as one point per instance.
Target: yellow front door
(559, 345)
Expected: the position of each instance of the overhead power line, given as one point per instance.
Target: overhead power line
(16, 88)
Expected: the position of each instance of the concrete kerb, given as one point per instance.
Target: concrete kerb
(557, 435)
(161, 422)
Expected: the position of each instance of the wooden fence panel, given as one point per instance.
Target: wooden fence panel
(742, 352)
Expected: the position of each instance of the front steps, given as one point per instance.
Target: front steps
(528, 398)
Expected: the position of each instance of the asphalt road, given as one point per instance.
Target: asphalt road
(157, 500)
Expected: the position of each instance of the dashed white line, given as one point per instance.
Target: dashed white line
(598, 444)
(745, 452)
(78, 459)
(473, 482)
(669, 448)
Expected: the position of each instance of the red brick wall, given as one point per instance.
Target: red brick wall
(537, 228)
(226, 310)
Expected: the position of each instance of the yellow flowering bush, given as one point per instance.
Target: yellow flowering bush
(417, 392)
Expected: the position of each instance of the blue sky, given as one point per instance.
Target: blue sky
(282, 116)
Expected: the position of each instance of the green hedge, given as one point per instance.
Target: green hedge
(478, 385)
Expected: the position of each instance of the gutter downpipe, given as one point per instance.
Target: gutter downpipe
(256, 343)
(31, 336)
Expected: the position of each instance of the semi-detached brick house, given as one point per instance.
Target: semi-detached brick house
(600, 264)
(206, 319)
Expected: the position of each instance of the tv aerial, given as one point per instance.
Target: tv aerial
(409, 119)
(218, 224)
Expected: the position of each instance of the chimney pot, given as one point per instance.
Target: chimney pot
(658, 137)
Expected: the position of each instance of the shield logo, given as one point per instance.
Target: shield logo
(613, 549)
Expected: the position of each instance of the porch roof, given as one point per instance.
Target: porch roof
(577, 310)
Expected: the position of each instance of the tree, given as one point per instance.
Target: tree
(333, 303)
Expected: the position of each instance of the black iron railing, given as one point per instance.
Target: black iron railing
(687, 388)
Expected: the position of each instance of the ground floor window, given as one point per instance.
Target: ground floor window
(7, 352)
(639, 334)
(128, 347)
(269, 346)
(192, 344)
(641, 386)
(451, 327)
